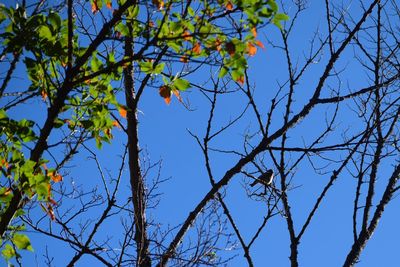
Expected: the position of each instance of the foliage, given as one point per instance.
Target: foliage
(77, 80)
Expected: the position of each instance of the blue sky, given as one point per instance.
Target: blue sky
(164, 136)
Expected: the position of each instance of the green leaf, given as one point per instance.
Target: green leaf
(54, 20)
(8, 252)
(2, 14)
(191, 11)
(277, 23)
(27, 168)
(223, 72)
(133, 11)
(122, 28)
(45, 33)
(281, 16)
(22, 242)
(159, 68)
(96, 63)
(273, 5)
(58, 123)
(181, 84)
(146, 66)
(237, 75)
(42, 189)
(3, 114)
(5, 195)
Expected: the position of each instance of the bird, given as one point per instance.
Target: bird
(265, 178)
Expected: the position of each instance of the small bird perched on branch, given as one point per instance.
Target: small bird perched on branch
(264, 179)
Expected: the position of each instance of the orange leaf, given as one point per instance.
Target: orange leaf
(197, 48)
(159, 4)
(259, 44)
(229, 5)
(240, 80)
(109, 4)
(4, 163)
(186, 36)
(165, 92)
(116, 124)
(55, 177)
(95, 8)
(254, 32)
(230, 48)
(122, 112)
(251, 49)
(43, 94)
(218, 44)
(184, 59)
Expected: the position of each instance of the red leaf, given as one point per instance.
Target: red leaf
(165, 92)
(230, 48)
